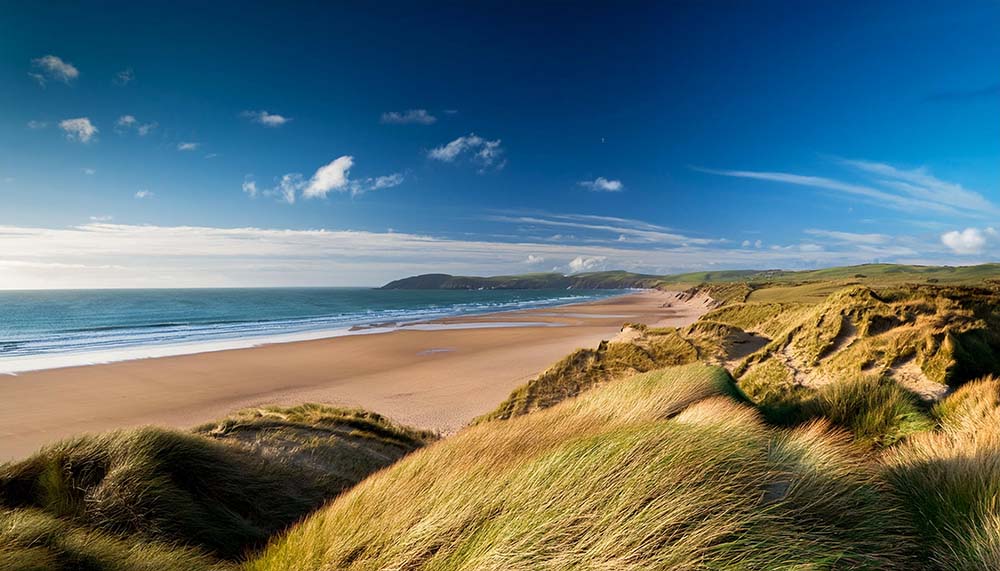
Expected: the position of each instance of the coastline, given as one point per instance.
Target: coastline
(437, 375)
(204, 338)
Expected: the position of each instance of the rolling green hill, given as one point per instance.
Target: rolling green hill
(865, 274)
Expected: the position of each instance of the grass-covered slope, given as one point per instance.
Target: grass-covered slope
(929, 339)
(223, 491)
(641, 349)
(791, 283)
(949, 481)
(659, 471)
(589, 280)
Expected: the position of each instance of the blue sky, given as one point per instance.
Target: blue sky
(147, 144)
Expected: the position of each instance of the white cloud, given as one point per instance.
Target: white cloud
(141, 194)
(79, 129)
(101, 218)
(37, 124)
(53, 68)
(332, 176)
(746, 244)
(587, 263)
(129, 122)
(265, 118)
(188, 146)
(387, 181)
(483, 152)
(126, 121)
(124, 77)
(250, 186)
(968, 241)
(89, 171)
(288, 186)
(533, 259)
(377, 183)
(601, 184)
(408, 117)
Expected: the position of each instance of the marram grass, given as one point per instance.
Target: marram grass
(659, 471)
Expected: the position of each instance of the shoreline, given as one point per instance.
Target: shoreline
(12, 366)
(436, 377)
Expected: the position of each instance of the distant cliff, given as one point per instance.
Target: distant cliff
(591, 280)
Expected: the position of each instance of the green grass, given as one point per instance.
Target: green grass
(658, 471)
(875, 409)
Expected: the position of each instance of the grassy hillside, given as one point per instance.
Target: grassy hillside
(591, 280)
(664, 470)
(220, 492)
(827, 280)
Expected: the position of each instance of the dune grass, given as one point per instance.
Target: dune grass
(586, 368)
(167, 485)
(949, 480)
(662, 470)
(875, 409)
(32, 540)
(224, 490)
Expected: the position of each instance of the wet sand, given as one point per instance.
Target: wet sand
(434, 376)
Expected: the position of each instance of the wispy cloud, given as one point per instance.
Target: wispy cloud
(850, 237)
(188, 146)
(957, 95)
(608, 229)
(601, 184)
(124, 77)
(89, 171)
(79, 129)
(206, 256)
(127, 123)
(53, 68)
(142, 194)
(908, 190)
(266, 119)
(250, 186)
(376, 183)
(33, 124)
(487, 154)
(408, 117)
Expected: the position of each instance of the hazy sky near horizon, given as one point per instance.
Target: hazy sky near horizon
(263, 144)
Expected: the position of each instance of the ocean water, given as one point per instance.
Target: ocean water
(44, 329)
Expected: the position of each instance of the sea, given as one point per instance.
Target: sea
(62, 328)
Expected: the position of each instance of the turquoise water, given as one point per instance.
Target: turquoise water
(41, 323)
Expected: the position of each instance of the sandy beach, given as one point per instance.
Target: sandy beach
(431, 376)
